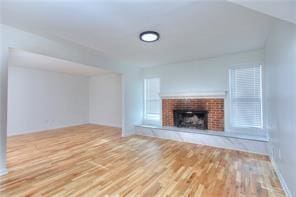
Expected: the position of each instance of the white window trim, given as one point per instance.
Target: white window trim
(248, 130)
(147, 120)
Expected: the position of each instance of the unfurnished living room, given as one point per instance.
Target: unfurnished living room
(148, 98)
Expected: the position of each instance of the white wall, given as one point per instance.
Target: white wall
(132, 100)
(105, 100)
(206, 75)
(40, 100)
(281, 99)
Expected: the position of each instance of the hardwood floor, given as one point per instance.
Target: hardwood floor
(92, 160)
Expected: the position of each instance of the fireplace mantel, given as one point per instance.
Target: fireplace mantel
(193, 95)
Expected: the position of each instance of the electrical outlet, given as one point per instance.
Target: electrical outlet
(294, 193)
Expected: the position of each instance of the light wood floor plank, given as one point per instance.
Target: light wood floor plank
(91, 160)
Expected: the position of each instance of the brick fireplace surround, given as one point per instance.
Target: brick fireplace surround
(215, 108)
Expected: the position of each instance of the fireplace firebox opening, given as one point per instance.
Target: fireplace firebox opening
(197, 119)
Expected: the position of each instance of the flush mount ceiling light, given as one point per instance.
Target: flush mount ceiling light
(149, 36)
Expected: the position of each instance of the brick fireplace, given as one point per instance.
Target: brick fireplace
(213, 106)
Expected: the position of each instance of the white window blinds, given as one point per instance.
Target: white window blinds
(152, 99)
(246, 97)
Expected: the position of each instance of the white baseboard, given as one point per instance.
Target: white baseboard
(3, 171)
(45, 129)
(281, 178)
(108, 125)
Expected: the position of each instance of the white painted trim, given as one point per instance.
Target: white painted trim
(47, 129)
(193, 95)
(108, 125)
(281, 178)
(65, 126)
(3, 171)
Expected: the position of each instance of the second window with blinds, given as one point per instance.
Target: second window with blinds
(152, 101)
(245, 97)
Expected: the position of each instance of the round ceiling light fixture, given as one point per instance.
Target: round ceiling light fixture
(149, 36)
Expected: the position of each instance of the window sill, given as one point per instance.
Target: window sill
(152, 122)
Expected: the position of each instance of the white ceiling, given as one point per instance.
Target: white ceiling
(189, 30)
(22, 58)
(282, 9)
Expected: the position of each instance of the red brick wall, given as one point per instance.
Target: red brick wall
(215, 107)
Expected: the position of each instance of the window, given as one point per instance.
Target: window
(246, 97)
(152, 100)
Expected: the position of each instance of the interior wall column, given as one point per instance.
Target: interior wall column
(4, 53)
